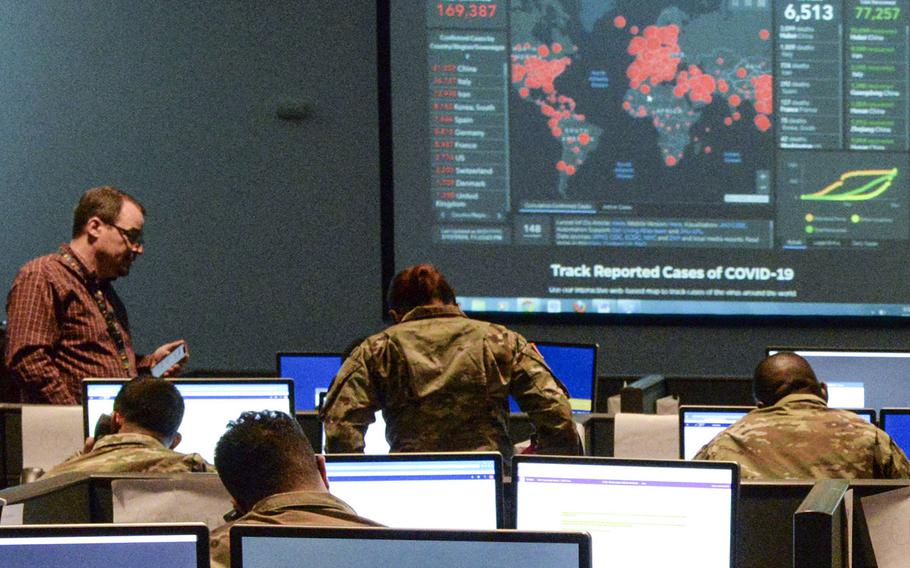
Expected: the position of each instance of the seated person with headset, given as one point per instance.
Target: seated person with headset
(147, 414)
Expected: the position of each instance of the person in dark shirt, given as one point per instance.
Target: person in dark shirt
(66, 322)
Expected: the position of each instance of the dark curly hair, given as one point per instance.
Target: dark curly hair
(264, 453)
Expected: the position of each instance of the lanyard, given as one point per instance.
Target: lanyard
(98, 295)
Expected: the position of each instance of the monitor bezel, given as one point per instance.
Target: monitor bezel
(683, 408)
(495, 457)
(280, 354)
(596, 347)
(884, 413)
(240, 531)
(797, 349)
(593, 460)
(178, 381)
(870, 412)
(199, 530)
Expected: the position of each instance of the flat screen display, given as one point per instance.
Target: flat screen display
(735, 157)
(209, 404)
(103, 546)
(575, 365)
(701, 424)
(896, 422)
(438, 491)
(859, 378)
(291, 547)
(639, 513)
(312, 374)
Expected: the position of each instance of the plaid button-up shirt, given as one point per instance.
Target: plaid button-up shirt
(57, 335)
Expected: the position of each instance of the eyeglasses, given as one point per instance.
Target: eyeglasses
(132, 236)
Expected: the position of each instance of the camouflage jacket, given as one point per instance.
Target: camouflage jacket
(121, 453)
(442, 381)
(311, 508)
(801, 438)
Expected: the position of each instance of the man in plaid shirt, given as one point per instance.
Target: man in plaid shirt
(66, 322)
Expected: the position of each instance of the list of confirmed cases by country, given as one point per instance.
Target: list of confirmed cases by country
(468, 83)
(877, 39)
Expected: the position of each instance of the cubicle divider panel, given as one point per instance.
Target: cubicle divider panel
(764, 522)
(714, 390)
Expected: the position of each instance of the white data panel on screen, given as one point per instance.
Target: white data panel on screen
(430, 494)
(637, 515)
(700, 427)
(208, 407)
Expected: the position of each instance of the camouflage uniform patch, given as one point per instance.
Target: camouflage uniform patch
(123, 453)
(801, 438)
(443, 382)
(310, 508)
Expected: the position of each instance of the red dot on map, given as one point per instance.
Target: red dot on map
(764, 34)
(708, 150)
(561, 165)
(619, 22)
(634, 30)
(557, 47)
(728, 121)
(741, 72)
(570, 170)
(670, 160)
(584, 138)
(627, 105)
(524, 92)
(762, 122)
(543, 51)
(737, 116)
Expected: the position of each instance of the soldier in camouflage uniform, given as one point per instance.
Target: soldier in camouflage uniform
(147, 414)
(270, 470)
(443, 380)
(794, 435)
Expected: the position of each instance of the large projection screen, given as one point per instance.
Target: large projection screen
(729, 157)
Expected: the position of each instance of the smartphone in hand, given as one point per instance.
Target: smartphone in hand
(171, 359)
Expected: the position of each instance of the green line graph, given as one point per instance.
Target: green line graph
(880, 182)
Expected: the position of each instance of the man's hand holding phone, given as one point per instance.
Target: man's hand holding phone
(169, 358)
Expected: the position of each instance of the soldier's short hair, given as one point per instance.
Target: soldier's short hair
(418, 285)
(782, 374)
(154, 404)
(103, 202)
(264, 453)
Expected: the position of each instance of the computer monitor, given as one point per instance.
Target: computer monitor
(209, 405)
(272, 546)
(699, 424)
(639, 512)
(859, 378)
(434, 491)
(104, 546)
(867, 414)
(896, 422)
(575, 364)
(312, 374)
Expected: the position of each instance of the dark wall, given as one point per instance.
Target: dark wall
(262, 234)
